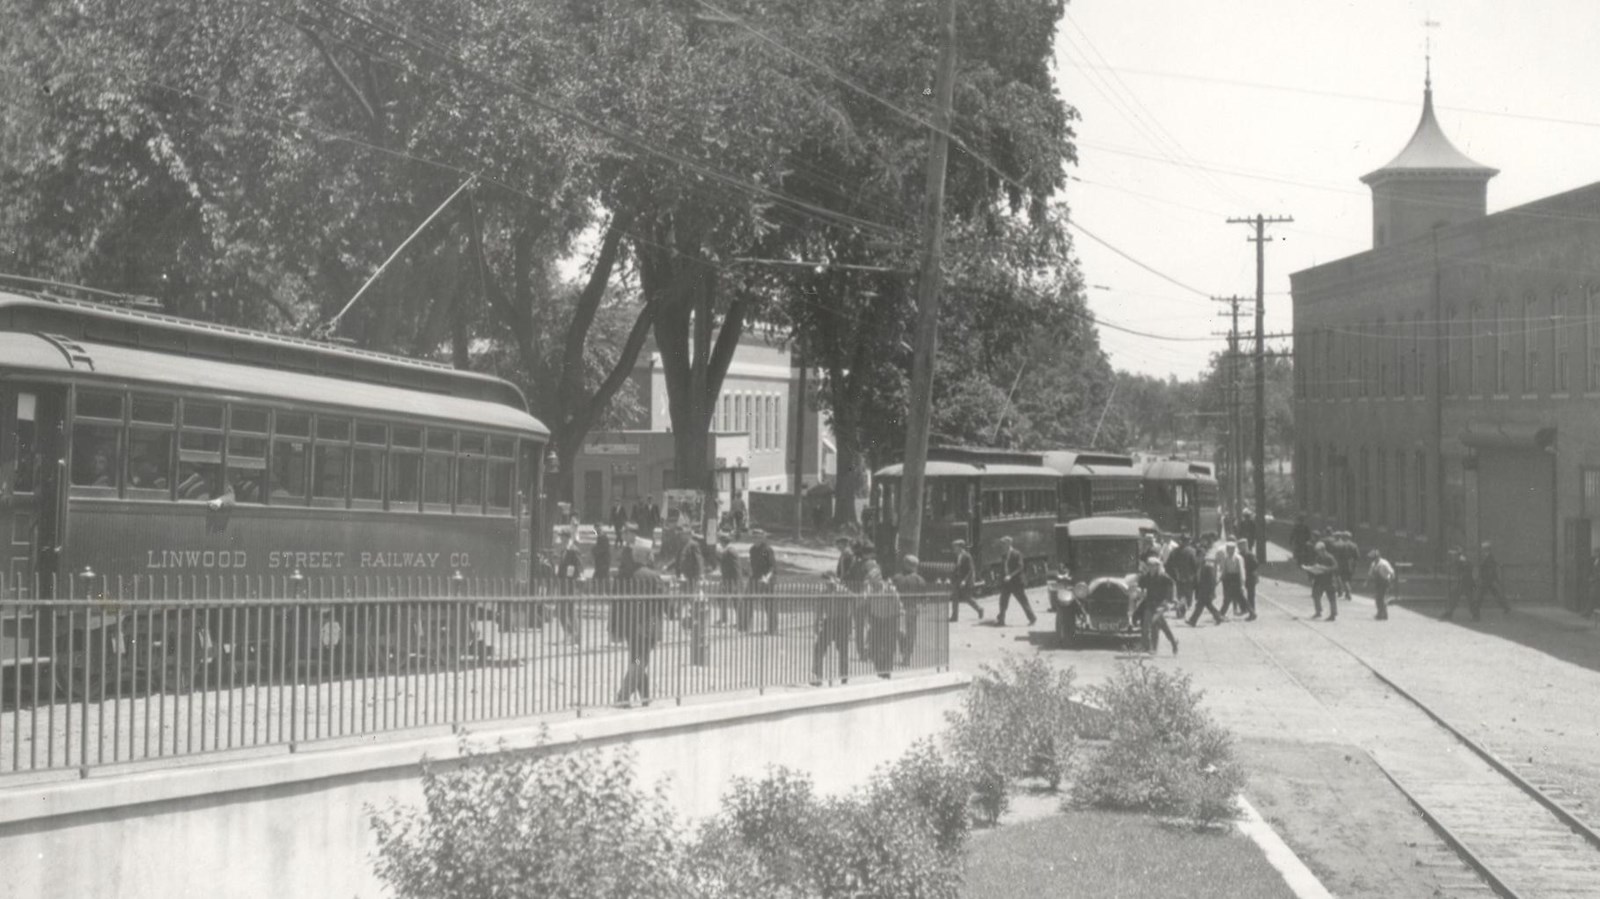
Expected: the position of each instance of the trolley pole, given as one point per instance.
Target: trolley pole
(1260, 240)
(920, 413)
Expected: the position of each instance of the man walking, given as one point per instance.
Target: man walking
(763, 568)
(1205, 592)
(834, 611)
(1183, 567)
(619, 519)
(1347, 554)
(1252, 576)
(1155, 591)
(912, 589)
(965, 581)
(1379, 577)
(1489, 580)
(641, 625)
(883, 625)
(1463, 584)
(1323, 570)
(1011, 582)
(1232, 574)
(864, 572)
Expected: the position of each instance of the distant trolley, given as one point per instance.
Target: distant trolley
(973, 498)
(195, 459)
(1181, 496)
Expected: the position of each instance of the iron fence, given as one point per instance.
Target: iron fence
(96, 672)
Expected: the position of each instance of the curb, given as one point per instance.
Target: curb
(1299, 878)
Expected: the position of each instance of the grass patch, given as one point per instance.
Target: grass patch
(1089, 854)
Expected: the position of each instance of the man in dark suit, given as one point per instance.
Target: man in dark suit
(1324, 571)
(1489, 581)
(964, 580)
(763, 571)
(1011, 583)
(1155, 591)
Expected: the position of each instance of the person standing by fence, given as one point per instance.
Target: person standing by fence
(865, 569)
(568, 574)
(1011, 583)
(912, 589)
(641, 625)
(964, 582)
(763, 569)
(834, 611)
(728, 569)
(883, 621)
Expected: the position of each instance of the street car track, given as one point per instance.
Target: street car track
(1496, 823)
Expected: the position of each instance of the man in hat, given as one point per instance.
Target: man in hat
(728, 570)
(763, 569)
(1155, 591)
(864, 572)
(913, 592)
(1231, 572)
(1011, 584)
(883, 621)
(965, 581)
(1489, 580)
(1184, 567)
(1323, 570)
(1462, 585)
(834, 611)
(1380, 575)
(843, 568)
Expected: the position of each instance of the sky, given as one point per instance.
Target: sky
(1193, 113)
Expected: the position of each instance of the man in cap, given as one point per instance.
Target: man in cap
(1011, 582)
(1155, 591)
(763, 569)
(1323, 570)
(863, 574)
(1380, 575)
(1489, 580)
(913, 592)
(1231, 572)
(965, 581)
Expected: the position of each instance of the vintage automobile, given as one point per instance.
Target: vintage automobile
(1094, 596)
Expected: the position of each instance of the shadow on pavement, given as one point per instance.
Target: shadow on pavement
(1552, 630)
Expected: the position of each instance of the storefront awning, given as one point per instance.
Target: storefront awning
(1508, 436)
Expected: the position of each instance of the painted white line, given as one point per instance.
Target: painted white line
(1295, 873)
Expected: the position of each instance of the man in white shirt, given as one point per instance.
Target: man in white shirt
(1380, 577)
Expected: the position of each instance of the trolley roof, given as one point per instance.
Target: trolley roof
(1178, 470)
(940, 469)
(1108, 526)
(52, 311)
(1081, 462)
(99, 362)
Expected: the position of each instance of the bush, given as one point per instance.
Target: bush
(1017, 720)
(562, 824)
(1165, 754)
(879, 842)
(934, 789)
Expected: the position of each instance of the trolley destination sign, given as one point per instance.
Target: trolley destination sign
(208, 559)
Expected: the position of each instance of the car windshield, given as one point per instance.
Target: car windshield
(1096, 558)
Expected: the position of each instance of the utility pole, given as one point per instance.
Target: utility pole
(1260, 240)
(799, 443)
(1235, 431)
(918, 416)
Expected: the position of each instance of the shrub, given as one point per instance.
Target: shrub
(878, 842)
(1165, 754)
(934, 789)
(1017, 720)
(563, 824)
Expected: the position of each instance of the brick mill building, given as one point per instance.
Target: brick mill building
(1447, 381)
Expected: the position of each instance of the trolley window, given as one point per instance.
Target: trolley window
(502, 469)
(247, 454)
(200, 452)
(366, 467)
(97, 442)
(405, 469)
(469, 475)
(291, 457)
(436, 470)
(330, 462)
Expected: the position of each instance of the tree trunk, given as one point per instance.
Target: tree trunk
(847, 482)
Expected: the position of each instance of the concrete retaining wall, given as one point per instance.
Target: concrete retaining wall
(294, 824)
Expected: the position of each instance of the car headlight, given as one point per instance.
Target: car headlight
(1080, 591)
